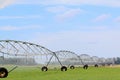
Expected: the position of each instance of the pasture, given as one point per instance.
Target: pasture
(92, 73)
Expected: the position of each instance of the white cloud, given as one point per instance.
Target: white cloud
(112, 3)
(4, 3)
(20, 17)
(57, 9)
(68, 14)
(117, 19)
(94, 28)
(101, 17)
(64, 13)
(15, 28)
(8, 28)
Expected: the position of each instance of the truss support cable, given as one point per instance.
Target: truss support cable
(23, 48)
(2, 45)
(14, 47)
(30, 48)
(57, 58)
(49, 60)
(37, 49)
(80, 60)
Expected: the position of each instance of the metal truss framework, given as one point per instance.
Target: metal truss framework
(68, 58)
(20, 49)
(91, 60)
(27, 49)
(86, 59)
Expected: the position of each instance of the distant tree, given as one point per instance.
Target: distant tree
(117, 60)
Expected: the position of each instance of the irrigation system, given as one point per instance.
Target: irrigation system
(18, 53)
(25, 53)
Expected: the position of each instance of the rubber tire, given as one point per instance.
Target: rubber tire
(72, 67)
(44, 68)
(96, 65)
(63, 68)
(3, 72)
(85, 66)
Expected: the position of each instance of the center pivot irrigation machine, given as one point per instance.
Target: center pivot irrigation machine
(24, 53)
(20, 53)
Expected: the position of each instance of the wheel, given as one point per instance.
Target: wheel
(44, 68)
(85, 66)
(3, 72)
(96, 65)
(63, 68)
(72, 67)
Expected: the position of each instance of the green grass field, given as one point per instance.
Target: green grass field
(33, 73)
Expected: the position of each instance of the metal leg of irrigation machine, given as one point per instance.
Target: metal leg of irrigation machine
(63, 68)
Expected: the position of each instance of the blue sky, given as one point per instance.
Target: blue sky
(82, 26)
